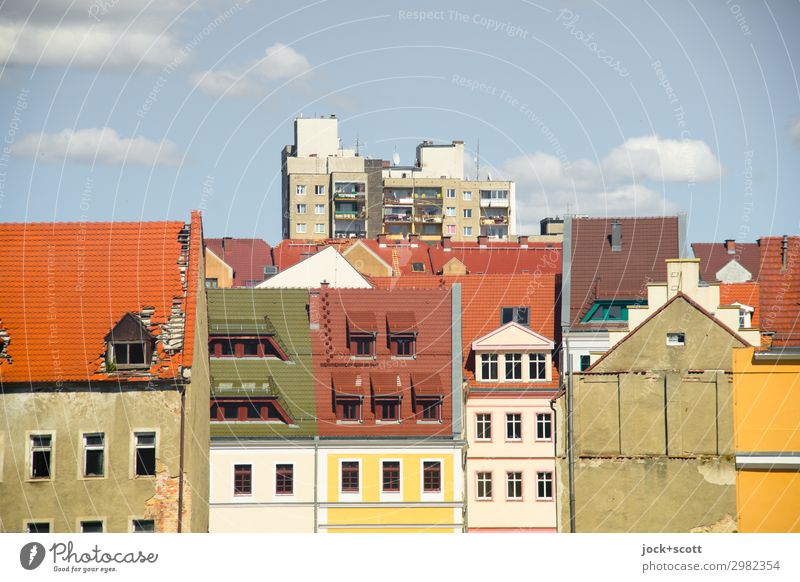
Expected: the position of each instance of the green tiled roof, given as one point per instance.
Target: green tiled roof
(282, 313)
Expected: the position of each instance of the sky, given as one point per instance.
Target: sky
(134, 110)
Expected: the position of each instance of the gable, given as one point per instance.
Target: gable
(512, 336)
(327, 265)
(454, 267)
(366, 261)
(708, 343)
(733, 272)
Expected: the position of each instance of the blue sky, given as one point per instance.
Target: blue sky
(131, 110)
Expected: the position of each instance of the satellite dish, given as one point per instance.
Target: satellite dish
(396, 159)
(489, 177)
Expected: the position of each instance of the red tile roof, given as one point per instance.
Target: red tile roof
(332, 359)
(779, 292)
(288, 253)
(402, 256)
(746, 293)
(499, 257)
(482, 297)
(66, 285)
(714, 256)
(246, 256)
(599, 273)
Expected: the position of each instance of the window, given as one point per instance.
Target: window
(513, 366)
(586, 362)
(468, 213)
(145, 453)
(95, 526)
(300, 190)
(41, 454)
(129, 354)
(537, 364)
(450, 229)
(488, 366)
(467, 195)
(319, 190)
(513, 426)
(450, 211)
(402, 346)
(242, 479)
(301, 209)
(467, 231)
(387, 409)
(484, 485)
(431, 476)
(350, 476)
(431, 409)
(143, 526)
(391, 477)
(284, 479)
(605, 310)
(38, 527)
(676, 339)
(212, 283)
(544, 428)
(514, 483)
(418, 267)
(319, 209)
(93, 454)
(348, 409)
(544, 485)
(483, 426)
(362, 346)
(744, 319)
(451, 193)
(518, 315)
(319, 228)
(300, 227)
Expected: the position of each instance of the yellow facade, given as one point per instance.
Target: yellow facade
(218, 272)
(409, 511)
(766, 395)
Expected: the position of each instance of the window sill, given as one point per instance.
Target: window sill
(514, 440)
(514, 499)
(404, 357)
(349, 421)
(240, 495)
(91, 477)
(544, 499)
(483, 499)
(440, 421)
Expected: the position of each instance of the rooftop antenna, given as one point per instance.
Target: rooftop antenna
(357, 144)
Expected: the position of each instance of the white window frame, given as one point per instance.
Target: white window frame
(549, 423)
(478, 481)
(301, 208)
(549, 477)
(467, 212)
(451, 229)
(480, 366)
(82, 520)
(31, 449)
(449, 210)
(300, 189)
(467, 231)
(538, 355)
(522, 362)
(676, 338)
(478, 422)
(87, 448)
(319, 190)
(300, 227)
(319, 209)
(521, 486)
(319, 228)
(509, 423)
(467, 195)
(451, 193)
(134, 433)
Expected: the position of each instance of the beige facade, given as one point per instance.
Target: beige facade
(264, 509)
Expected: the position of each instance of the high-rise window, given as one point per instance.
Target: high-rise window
(300, 190)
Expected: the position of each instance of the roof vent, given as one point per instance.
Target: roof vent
(616, 237)
(730, 246)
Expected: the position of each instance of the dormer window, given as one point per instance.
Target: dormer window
(241, 346)
(130, 345)
(518, 315)
(402, 329)
(362, 345)
(361, 331)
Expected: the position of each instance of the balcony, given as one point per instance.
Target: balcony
(395, 201)
(348, 234)
(490, 220)
(349, 215)
(494, 203)
(397, 217)
(347, 195)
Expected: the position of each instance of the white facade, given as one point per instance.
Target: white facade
(328, 265)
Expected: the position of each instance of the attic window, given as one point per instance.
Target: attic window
(130, 345)
(129, 354)
(676, 339)
(516, 314)
(418, 267)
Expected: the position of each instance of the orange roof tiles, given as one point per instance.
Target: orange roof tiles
(66, 285)
(499, 257)
(746, 293)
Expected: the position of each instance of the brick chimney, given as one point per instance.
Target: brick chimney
(413, 239)
(523, 241)
(446, 243)
(382, 239)
(483, 240)
(730, 246)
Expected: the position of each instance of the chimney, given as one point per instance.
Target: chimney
(483, 240)
(413, 239)
(446, 243)
(313, 309)
(616, 236)
(523, 241)
(784, 252)
(730, 246)
(382, 239)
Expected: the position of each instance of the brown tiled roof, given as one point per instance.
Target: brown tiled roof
(600, 273)
(431, 309)
(65, 286)
(714, 256)
(289, 252)
(246, 256)
(779, 292)
(401, 321)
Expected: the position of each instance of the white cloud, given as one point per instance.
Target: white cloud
(795, 131)
(103, 146)
(279, 62)
(654, 158)
(547, 185)
(82, 46)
